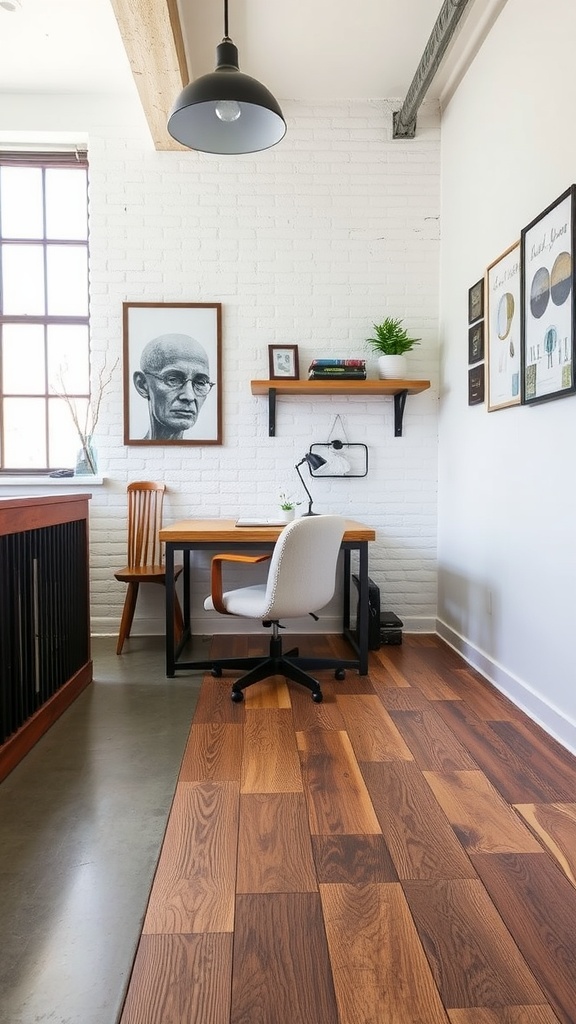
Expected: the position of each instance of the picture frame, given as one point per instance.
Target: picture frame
(283, 362)
(476, 301)
(476, 378)
(503, 323)
(170, 349)
(476, 342)
(547, 298)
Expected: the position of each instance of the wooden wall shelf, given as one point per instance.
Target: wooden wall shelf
(396, 389)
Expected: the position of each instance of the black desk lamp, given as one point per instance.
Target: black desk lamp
(314, 462)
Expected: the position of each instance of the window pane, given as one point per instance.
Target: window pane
(68, 362)
(23, 362)
(24, 433)
(21, 202)
(66, 208)
(64, 441)
(23, 280)
(67, 275)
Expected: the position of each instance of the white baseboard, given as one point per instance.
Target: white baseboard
(550, 718)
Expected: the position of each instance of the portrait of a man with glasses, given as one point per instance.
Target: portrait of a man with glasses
(174, 378)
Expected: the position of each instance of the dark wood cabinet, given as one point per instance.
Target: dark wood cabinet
(45, 657)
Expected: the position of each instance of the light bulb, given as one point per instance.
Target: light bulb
(228, 110)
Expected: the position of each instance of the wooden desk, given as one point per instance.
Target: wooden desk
(222, 535)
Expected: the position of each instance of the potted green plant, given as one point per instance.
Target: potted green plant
(287, 506)
(391, 341)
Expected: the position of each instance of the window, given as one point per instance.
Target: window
(44, 335)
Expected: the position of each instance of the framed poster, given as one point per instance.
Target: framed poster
(547, 288)
(283, 362)
(476, 385)
(476, 342)
(172, 373)
(503, 329)
(476, 301)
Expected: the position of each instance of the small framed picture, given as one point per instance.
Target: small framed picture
(476, 385)
(476, 342)
(476, 301)
(283, 362)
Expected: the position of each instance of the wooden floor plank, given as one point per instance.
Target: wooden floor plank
(555, 826)
(194, 885)
(376, 957)
(538, 905)
(488, 703)
(353, 859)
(504, 1015)
(180, 979)
(555, 768)
(474, 960)
(483, 822)
(270, 762)
(338, 801)
(512, 776)
(274, 848)
(420, 840)
(432, 743)
(213, 751)
(372, 731)
(281, 970)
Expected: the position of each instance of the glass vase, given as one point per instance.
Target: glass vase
(86, 459)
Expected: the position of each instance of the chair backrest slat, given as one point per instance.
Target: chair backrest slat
(145, 500)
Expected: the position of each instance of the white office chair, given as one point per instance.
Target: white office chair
(301, 580)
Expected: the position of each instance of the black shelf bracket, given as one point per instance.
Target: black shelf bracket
(271, 412)
(399, 403)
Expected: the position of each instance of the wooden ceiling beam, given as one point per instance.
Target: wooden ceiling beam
(152, 37)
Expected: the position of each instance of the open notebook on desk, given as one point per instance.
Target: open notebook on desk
(260, 521)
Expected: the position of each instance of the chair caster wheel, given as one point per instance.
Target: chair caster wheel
(317, 697)
(340, 673)
(237, 696)
(216, 671)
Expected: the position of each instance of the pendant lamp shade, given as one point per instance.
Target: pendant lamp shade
(226, 112)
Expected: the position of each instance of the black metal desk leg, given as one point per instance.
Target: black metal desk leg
(363, 609)
(170, 595)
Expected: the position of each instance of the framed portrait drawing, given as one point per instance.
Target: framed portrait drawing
(547, 287)
(172, 373)
(476, 385)
(476, 301)
(503, 329)
(476, 342)
(283, 362)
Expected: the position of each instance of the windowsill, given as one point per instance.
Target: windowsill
(51, 481)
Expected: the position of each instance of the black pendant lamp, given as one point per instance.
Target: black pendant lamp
(226, 111)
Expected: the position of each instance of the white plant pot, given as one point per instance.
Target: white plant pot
(286, 515)
(392, 367)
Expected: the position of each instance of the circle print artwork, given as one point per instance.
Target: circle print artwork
(505, 314)
(561, 278)
(540, 292)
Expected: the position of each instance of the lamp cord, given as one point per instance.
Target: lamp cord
(226, 36)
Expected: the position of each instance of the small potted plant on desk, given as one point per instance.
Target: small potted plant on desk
(391, 341)
(287, 506)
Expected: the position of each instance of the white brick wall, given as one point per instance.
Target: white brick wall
(307, 244)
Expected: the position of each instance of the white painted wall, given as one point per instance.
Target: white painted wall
(305, 244)
(507, 498)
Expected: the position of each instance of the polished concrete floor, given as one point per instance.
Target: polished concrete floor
(82, 819)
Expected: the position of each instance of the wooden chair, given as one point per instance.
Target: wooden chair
(145, 557)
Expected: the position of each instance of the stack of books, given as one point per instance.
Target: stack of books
(337, 369)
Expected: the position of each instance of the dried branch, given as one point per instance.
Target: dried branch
(92, 410)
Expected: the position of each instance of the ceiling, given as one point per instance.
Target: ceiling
(300, 49)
